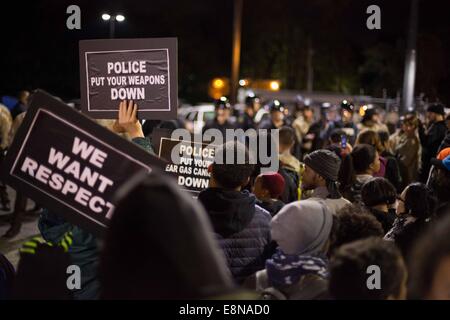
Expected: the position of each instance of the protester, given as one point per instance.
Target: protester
(321, 175)
(405, 145)
(357, 168)
(84, 250)
(241, 226)
(338, 143)
(392, 173)
(303, 122)
(299, 268)
(350, 275)
(353, 222)
(431, 137)
(416, 206)
(160, 246)
(371, 121)
(286, 143)
(389, 168)
(379, 196)
(221, 121)
(21, 105)
(430, 264)
(440, 180)
(267, 189)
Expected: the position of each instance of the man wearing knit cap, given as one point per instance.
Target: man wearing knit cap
(321, 175)
(431, 137)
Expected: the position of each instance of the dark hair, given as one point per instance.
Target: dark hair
(336, 135)
(357, 162)
(349, 267)
(286, 135)
(353, 222)
(369, 137)
(231, 176)
(378, 191)
(419, 201)
(159, 245)
(427, 254)
(384, 136)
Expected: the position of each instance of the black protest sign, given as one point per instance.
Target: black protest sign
(71, 165)
(142, 70)
(188, 162)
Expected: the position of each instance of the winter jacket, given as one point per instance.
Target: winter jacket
(241, 227)
(333, 204)
(272, 206)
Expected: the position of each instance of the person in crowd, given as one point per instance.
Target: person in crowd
(430, 264)
(221, 121)
(286, 137)
(42, 271)
(371, 121)
(439, 181)
(241, 226)
(302, 123)
(344, 122)
(299, 268)
(415, 209)
(7, 274)
(353, 222)
(268, 188)
(321, 176)
(277, 115)
(84, 250)
(165, 249)
(446, 142)
(252, 105)
(389, 168)
(392, 173)
(338, 143)
(357, 168)
(405, 145)
(379, 196)
(350, 275)
(431, 137)
(21, 105)
(5, 127)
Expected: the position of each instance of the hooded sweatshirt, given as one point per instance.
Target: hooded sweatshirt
(241, 227)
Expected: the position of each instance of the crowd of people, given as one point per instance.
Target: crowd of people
(352, 200)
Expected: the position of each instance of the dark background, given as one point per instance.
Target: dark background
(39, 51)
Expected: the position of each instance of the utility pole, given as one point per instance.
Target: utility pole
(410, 60)
(236, 54)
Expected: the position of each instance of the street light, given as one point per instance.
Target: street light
(112, 20)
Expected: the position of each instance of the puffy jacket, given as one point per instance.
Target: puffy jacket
(242, 229)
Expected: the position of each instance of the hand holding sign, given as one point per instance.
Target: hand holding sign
(127, 120)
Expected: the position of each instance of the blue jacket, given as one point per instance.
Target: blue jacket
(242, 229)
(83, 251)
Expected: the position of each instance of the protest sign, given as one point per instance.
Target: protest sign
(188, 161)
(142, 70)
(71, 165)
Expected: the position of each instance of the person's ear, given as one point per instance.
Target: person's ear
(245, 182)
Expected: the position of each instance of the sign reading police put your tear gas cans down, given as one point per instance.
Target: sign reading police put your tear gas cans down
(142, 70)
(71, 165)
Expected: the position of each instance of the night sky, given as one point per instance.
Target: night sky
(39, 51)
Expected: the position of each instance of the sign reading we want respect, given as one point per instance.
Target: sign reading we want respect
(142, 70)
(70, 164)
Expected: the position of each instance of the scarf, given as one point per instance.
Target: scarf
(283, 269)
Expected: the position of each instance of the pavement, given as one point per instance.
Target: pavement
(9, 247)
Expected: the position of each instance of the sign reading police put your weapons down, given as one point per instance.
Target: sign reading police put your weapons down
(142, 70)
(70, 164)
